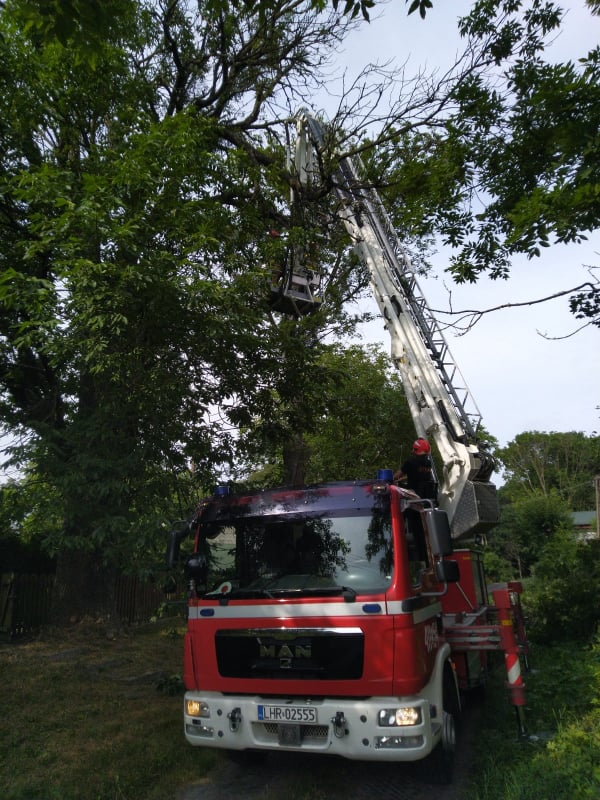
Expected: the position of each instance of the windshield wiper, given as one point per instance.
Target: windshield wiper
(239, 594)
(348, 593)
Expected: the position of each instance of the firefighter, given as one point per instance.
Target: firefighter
(417, 471)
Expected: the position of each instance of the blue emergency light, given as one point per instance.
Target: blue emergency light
(385, 475)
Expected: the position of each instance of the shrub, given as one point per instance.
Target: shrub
(560, 758)
(562, 599)
(497, 569)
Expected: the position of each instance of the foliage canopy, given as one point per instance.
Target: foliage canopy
(136, 196)
(563, 464)
(143, 160)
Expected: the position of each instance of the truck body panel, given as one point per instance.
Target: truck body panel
(343, 645)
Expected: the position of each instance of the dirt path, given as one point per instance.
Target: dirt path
(293, 776)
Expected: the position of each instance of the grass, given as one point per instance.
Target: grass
(560, 758)
(83, 717)
(87, 717)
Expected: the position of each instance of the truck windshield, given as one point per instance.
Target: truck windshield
(328, 555)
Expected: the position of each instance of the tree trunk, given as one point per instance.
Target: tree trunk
(295, 458)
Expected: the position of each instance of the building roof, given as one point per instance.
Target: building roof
(584, 519)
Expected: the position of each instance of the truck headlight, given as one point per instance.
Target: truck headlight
(399, 717)
(196, 708)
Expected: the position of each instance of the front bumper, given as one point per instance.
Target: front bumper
(337, 726)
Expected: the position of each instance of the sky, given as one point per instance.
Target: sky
(520, 374)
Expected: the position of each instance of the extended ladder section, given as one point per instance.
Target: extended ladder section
(439, 400)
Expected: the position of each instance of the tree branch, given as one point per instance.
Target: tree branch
(468, 318)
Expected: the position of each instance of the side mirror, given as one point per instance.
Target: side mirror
(174, 543)
(173, 546)
(196, 568)
(438, 529)
(447, 571)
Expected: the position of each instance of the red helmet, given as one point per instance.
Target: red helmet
(421, 447)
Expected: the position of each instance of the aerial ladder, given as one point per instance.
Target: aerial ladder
(439, 400)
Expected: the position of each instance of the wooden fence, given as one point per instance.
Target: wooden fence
(26, 602)
(135, 600)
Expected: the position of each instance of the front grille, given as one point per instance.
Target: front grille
(309, 732)
(293, 654)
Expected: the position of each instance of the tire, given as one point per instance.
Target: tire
(439, 766)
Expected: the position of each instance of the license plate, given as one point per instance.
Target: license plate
(287, 714)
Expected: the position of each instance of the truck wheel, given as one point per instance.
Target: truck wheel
(440, 764)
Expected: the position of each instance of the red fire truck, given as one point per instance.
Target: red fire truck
(338, 618)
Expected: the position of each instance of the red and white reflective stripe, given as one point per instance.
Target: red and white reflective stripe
(513, 669)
